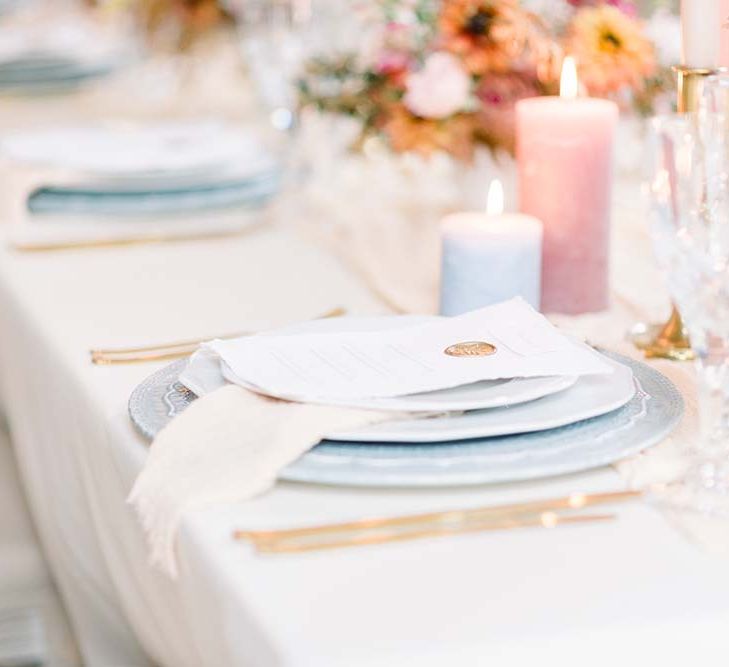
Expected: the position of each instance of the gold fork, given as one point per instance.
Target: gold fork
(376, 530)
(128, 241)
(172, 350)
(369, 538)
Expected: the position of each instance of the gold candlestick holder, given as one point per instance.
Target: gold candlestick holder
(670, 340)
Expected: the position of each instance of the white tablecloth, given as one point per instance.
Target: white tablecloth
(26, 588)
(634, 591)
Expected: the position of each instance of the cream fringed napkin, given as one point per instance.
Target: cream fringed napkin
(227, 446)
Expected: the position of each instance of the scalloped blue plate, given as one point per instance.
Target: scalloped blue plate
(644, 421)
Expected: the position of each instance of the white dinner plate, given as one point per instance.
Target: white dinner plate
(476, 396)
(127, 150)
(591, 396)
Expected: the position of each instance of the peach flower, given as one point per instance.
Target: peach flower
(611, 49)
(488, 34)
(409, 133)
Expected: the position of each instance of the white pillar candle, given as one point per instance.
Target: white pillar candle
(701, 28)
(489, 257)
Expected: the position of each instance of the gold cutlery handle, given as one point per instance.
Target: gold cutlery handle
(102, 359)
(128, 241)
(368, 538)
(162, 347)
(173, 350)
(574, 501)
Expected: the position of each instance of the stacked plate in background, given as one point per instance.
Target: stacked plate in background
(166, 177)
(126, 169)
(54, 55)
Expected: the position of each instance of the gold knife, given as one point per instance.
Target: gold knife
(574, 501)
(400, 534)
(173, 350)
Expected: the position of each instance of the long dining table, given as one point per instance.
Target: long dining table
(651, 587)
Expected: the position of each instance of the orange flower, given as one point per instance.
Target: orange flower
(611, 49)
(410, 133)
(184, 21)
(202, 14)
(490, 35)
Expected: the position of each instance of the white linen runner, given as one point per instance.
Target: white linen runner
(227, 446)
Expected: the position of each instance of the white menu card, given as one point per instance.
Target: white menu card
(519, 342)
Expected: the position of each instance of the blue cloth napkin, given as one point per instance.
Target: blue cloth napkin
(79, 200)
(36, 73)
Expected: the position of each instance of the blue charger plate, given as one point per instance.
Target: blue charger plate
(652, 414)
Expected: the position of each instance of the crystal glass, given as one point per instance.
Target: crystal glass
(278, 37)
(690, 205)
(715, 94)
(271, 43)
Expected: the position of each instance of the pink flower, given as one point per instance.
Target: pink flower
(389, 51)
(440, 89)
(499, 94)
(392, 62)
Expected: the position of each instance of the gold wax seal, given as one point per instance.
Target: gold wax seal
(472, 348)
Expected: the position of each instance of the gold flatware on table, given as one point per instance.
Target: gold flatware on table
(101, 359)
(388, 529)
(172, 350)
(369, 538)
(144, 239)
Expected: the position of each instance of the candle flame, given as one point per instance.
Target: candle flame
(568, 85)
(495, 202)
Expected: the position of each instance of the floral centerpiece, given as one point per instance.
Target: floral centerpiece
(444, 76)
(415, 120)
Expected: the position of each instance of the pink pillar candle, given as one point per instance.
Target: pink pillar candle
(564, 151)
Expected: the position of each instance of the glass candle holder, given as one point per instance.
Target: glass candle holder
(690, 207)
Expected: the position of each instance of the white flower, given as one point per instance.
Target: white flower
(441, 88)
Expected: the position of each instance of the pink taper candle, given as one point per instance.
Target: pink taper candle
(564, 151)
(724, 34)
(701, 33)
